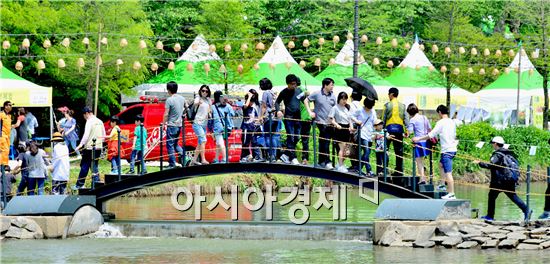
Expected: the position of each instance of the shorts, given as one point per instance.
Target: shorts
(342, 135)
(422, 149)
(200, 132)
(447, 161)
(218, 137)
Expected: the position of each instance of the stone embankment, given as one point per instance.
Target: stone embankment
(463, 234)
(86, 220)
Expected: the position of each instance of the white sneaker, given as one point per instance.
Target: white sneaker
(295, 161)
(328, 166)
(342, 169)
(284, 159)
(449, 196)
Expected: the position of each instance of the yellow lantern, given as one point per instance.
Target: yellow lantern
(403, 65)
(66, 42)
(189, 67)
(495, 72)
(417, 67)
(407, 46)
(260, 46)
(80, 63)
(422, 47)
(481, 71)
(431, 68)
(498, 53)
(256, 66)
(159, 45)
(136, 66)
(118, 63)
(61, 63)
(332, 61)
(227, 48)
(177, 47)
(486, 52)
(6, 44)
(470, 70)
(461, 50)
(154, 67)
(212, 48)
(443, 69)
(291, 45)
(456, 71)
(244, 47)
(349, 36)
(511, 53)
(26, 44)
(435, 49)
(507, 71)
(86, 41)
(194, 46)
(302, 64)
(123, 42)
(47, 44)
(335, 40)
(305, 43)
(535, 54)
(473, 52)
(376, 61)
(321, 42)
(364, 39)
(207, 68)
(172, 66)
(390, 64)
(142, 45)
(19, 67)
(288, 65)
(104, 42)
(394, 43)
(447, 51)
(240, 69)
(40, 66)
(318, 63)
(379, 41)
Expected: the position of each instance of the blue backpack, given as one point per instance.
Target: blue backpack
(511, 171)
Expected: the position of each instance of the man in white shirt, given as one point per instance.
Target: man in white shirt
(445, 128)
(94, 130)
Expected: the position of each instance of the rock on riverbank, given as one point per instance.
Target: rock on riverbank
(463, 234)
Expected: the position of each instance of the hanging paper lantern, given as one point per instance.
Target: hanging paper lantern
(47, 44)
(376, 61)
(6, 44)
(318, 63)
(80, 63)
(443, 69)
(422, 47)
(431, 68)
(61, 63)
(305, 43)
(535, 54)
(379, 41)
(136, 66)
(364, 39)
(291, 45)
(240, 69)
(407, 46)
(417, 67)
(390, 64)
(470, 70)
(194, 46)
(172, 66)
(123, 42)
(66, 42)
(189, 67)
(394, 43)
(481, 71)
(461, 50)
(260, 46)
(321, 42)
(473, 52)
(272, 66)
(531, 72)
(507, 70)
(154, 67)
(288, 65)
(498, 53)
(256, 66)
(177, 47)
(456, 71)
(332, 61)
(302, 64)
(486, 52)
(26, 44)
(118, 63)
(207, 68)
(435, 49)
(86, 41)
(335, 40)
(349, 36)
(19, 67)
(495, 72)
(40, 65)
(159, 45)
(244, 47)
(447, 51)
(403, 65)
(511, 53)
(104, 42)
(142, 44)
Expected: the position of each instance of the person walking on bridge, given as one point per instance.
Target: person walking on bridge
(324, 100)
(94, 131)
(396, 120)
(501, 169)
(173, 119)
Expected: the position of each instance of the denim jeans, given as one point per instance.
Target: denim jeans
(365, 155)
(85, 164)
(172, 146)
(380, 161)
(305, 129)
(115, 164)
(24, 183)
(292, 128)
(324, 143)
(271, 140)
(139, 155)
(32, 185)
(58, 187)
(72, 145)
(249, 140)
(397, 142)
(493, 194)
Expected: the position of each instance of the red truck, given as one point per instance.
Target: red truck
(153, 114)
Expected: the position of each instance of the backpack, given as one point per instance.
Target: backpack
(191, 111)
(511, 170)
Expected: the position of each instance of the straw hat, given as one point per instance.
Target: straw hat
(377, 122)
(57, 137)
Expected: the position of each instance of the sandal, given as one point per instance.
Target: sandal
(195, 163)
(205, 162)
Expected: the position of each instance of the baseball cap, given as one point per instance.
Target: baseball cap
(86, 109)
(498, 140)
(377, 122)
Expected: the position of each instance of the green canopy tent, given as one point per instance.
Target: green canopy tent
(197, 66)
(275, 65)
(420, 83)
(343, 68)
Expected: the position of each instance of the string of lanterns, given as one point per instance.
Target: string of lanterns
(260, 46)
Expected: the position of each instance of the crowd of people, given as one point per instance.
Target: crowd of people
(350, 125)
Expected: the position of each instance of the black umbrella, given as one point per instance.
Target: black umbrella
(363, 87)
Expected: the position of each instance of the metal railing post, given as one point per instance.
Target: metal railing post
(142, 162)
(184, 150)
(413, 169)
(4, 188)
(93, 162)
(384, 156)
(119, 169)
(359, 143)
(226, 138)
(314, 138)
(270, 149)
(431, 165)
(162, 146)
(528, 193)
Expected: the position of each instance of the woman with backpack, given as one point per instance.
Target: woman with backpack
(203, 107)
(504, 175)
(420, 126)
(221, 115)
(251, 127)
(341, 118)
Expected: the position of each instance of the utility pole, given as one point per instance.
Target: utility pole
(448, 83)
(97, 62)
(519, 84)
(356, 39)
